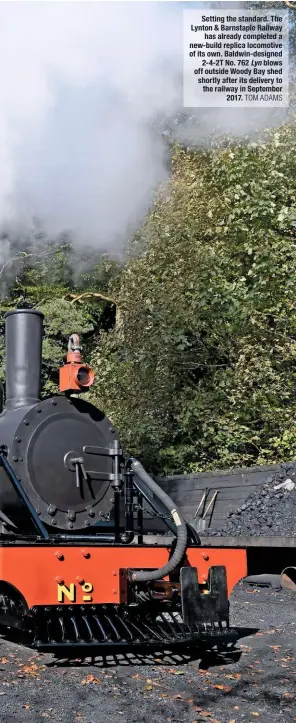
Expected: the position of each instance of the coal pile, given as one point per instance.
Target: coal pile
(267, 511)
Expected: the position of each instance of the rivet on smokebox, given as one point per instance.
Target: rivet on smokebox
(59, 580)
(85, 554)
(114, 591)
(79, 579)
(114, 572)
(59, 555)
(205, 556)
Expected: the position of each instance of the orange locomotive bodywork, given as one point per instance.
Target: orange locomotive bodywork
(54, 575)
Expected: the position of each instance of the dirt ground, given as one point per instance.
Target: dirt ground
(256, 681)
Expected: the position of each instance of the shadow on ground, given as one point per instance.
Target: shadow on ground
(208, 657)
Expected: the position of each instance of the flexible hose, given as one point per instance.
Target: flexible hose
(181, 544)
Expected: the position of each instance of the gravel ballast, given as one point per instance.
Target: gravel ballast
(255, 681)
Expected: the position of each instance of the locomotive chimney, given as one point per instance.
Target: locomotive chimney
(23, 340)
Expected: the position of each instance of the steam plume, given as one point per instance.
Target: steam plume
(81, 85)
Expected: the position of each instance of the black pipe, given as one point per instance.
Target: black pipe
(181, 528)
(140, 517)
(157, 508)
(23, 340)
(117, 513)
(128, 536)
(116, 485)
(86, 538)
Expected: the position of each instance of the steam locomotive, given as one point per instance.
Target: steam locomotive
(75, 565)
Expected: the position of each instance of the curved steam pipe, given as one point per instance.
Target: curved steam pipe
(181, 544)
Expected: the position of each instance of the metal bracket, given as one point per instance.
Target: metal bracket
(104, 451)
(100, 475)
(209, 607)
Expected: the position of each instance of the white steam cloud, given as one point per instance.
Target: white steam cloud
(80, 84)
(80, 87)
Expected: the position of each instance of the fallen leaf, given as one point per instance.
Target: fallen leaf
(90, 679)
(232, 720)
(26, 706)
(225, 688)
(205, 714)
(254, 712)
(177, 697)
(4, 661)
(33, 670)
(233, 675)
(148, 687)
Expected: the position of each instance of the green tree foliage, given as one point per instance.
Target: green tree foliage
(197, 370)
(42, 274)
(201, 372)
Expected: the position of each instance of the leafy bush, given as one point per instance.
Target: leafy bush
(201, 372)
